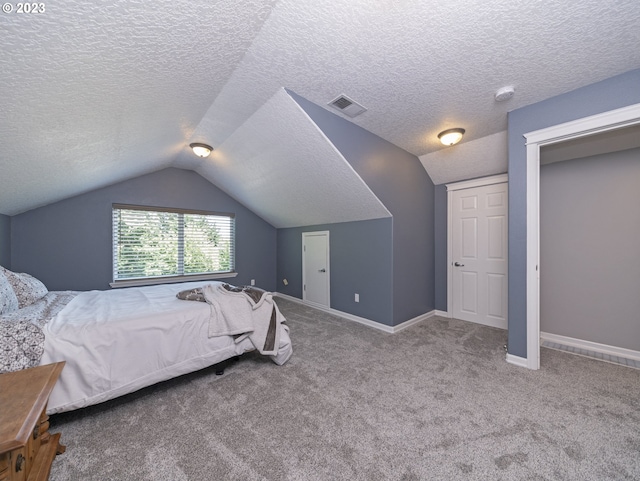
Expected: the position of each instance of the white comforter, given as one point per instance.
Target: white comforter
(119, 341)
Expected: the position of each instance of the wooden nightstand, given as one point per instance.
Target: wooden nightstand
(26, 447)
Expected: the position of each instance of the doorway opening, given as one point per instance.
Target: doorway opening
(557, 134)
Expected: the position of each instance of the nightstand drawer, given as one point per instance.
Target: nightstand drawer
(4, 467)
(13, 465)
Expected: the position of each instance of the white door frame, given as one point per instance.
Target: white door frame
(466, 184)
(304, 280)
(595, 124)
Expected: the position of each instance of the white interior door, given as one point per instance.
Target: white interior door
(315, 267)
(478, 254)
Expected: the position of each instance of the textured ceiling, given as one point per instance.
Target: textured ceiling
(253, 169)
(422, 66)
(97, 92)
(468, 160)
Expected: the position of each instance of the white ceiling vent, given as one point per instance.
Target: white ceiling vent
(347, 106)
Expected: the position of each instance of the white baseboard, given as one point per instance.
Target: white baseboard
(441, 313)
(591, 346)
(517, 360)
(415, 320)
(361, 320)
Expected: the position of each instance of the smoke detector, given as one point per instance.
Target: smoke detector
(347, 106)
(505, 93)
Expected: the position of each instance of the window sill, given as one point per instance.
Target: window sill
(170, 280)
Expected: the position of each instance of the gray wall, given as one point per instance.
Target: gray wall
(360, 263)
(400, 181)
(440, 230)
(67, 245)
(589, 262)
(5, 241)
(613, 93)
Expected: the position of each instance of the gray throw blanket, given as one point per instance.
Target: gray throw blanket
(241, 311)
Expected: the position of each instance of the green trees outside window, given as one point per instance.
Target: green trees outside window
(157, 243)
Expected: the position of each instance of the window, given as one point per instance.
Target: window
(155, 245)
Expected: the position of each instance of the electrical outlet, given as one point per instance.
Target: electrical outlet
(357, 297)
(253, 282)
(285, 282)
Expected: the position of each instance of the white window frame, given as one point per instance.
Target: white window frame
(167, 279)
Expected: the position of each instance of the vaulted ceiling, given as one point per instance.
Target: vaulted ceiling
(93, 93)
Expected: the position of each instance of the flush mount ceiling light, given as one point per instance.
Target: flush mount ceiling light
(451, 136)
(201, 150)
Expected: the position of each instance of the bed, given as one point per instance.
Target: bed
(118, 341)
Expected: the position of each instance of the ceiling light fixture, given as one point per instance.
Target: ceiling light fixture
(451, 136)
(201, 150)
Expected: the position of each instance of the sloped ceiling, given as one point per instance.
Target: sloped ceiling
(94, 93)
(480, 157)
(253, 168)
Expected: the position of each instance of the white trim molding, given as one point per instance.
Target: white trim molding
(591, 346)
(594, 124)
(152, 281)
(361, 320)
(480, 182)
(517, 360)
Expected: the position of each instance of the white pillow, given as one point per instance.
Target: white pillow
(8, 299)
(27, 289)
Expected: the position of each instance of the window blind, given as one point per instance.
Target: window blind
(152, 242)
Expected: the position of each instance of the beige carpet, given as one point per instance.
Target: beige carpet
(436, 401)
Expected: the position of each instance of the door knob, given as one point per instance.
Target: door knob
(322, 270)
(457, 264)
